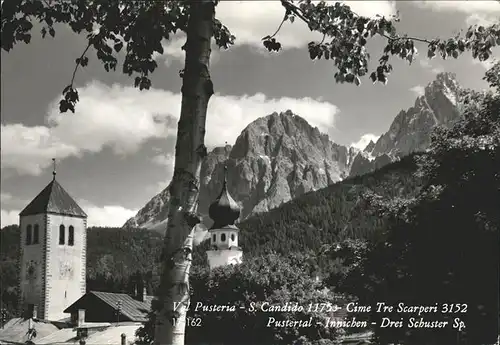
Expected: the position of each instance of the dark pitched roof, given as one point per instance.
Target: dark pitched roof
(133, 309)
(53, 199)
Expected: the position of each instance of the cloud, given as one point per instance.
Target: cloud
(365, 140)
(108, 215)
(5, 197)
(9, 217)
(167, 161)
(426, 63)
(470, 6)
(241, 18)
(10, 209)
(229, 115)
(249, 21)
(485, 64)
(172, 50)
(419, 90)
(480, 12)
(164, 160)
(124, 118)
(115, 117)
(481, 19)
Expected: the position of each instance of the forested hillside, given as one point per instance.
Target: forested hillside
(304, 224)
(330, 214)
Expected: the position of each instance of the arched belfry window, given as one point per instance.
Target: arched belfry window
(71, 235)
(232, 237)
(28, 235)
(61, 234)
(223, 237)
(36, 234)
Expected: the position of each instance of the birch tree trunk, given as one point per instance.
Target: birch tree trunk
(190, 150)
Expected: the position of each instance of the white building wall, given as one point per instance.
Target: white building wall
(31, 285)
(65, 266)
(228, 242)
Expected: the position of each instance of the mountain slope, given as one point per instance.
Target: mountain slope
(275, 159)
(305, 223)
(411, 129)
(280, 157)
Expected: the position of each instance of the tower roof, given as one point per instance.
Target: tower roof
(53, 199)
(224, 210)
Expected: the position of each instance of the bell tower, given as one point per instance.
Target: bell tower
(224, 211)
(53, 235)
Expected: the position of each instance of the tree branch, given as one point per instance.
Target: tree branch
(295, 10)
(79, 63)
(323, 40)
(298, 12)
(423, 40)
(279, 27)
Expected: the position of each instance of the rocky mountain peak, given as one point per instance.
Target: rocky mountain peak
(411, 129)
(369, 147)
(265, 135)
(274, 159)
(281, 156)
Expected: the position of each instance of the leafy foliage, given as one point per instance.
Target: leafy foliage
(345, 35)
(137, 28)
(270, 278)
(302, 225)
(442, 246)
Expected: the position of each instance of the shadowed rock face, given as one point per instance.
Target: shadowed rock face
(280, 156)
(275, 158)
(411, 129)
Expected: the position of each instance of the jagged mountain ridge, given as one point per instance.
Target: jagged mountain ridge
(279, 157)
(411, 129)
(275, 159)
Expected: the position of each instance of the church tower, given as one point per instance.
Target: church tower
(53, 253)
(224, 211)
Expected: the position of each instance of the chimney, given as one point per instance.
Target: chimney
(142, 297)
(81, 317)
(31, 312)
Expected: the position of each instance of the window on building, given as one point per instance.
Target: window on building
(28, 235)
(232, 237)
(214, 238)
(71, 235)
(36, 234)
(223, 237)
(61, 234)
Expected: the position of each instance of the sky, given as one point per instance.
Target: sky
(116, 152)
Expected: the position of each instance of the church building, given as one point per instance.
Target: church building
(52, 266)
(224, 211)
(54, 307)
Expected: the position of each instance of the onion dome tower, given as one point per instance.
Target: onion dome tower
(224, 211)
